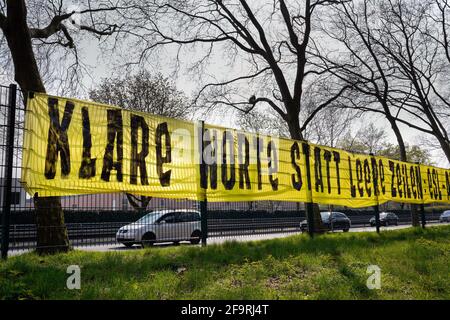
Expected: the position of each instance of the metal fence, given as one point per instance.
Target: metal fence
(110, 220)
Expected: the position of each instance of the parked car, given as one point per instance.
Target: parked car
(445, 216)
(331, 221)
(162, 226)
(386, 219)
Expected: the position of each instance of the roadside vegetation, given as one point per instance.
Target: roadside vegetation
(415, 264)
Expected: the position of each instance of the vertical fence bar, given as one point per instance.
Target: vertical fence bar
(422, 214)
(309, 202)
(203, 202)
(377, 217)
(9, 150)
(375, 184)
(204, 221)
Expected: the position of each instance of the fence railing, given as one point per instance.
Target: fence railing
(110, 219)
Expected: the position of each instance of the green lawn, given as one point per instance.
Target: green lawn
(415, 264)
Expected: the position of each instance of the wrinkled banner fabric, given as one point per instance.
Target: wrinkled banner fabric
(80, 147)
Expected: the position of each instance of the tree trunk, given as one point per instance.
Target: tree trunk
(445, 145)
(403, 157)
(296, 134)
(52, 234)
(51, 231)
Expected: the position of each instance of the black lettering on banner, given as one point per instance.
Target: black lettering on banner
(209, 151)
(412, 176)
(367, 178)
(272, 164)
(447, 182)
(297, 177)
(115, 133)
(381, 176)
(375, 183)
(327, 157)
(393, 189)
(306, 151)
(437, 185)
(228, 183)
(162, 130)
(244, 163)
(87, 168)
(433, 184)
(406, 182)
(258, 142)
(359, 177)
(419, 183)
(398, 172)
(318, 169)
(138, 158)
(337, 160)
(430, 184)
(350, 171)
(58, 141)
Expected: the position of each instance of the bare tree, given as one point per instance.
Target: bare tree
(263, 121)
(407, 36)
(142, 92)
(371, 139)
(393, 63)
(262, 49)
(32, 33)
(361, 64)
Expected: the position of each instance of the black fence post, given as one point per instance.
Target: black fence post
(9, 152)
(203, 202)
(377, 217)
(375, 183)
(309, 202)
(422, 214)
(204, 221)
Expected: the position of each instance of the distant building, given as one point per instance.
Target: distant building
(18, 195)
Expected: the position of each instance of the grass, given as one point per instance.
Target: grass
(415, 264)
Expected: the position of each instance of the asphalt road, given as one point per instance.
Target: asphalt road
(108, 247)
(239, 238)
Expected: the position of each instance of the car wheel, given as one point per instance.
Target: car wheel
(386, 223)
(196, 237)
(346, 229)
(128, 245)
(148, 239)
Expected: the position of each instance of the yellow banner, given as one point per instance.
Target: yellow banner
(80, 147)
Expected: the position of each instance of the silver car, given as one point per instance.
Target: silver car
(162, 226)
(445, 216)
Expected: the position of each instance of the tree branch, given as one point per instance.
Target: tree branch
(2, 21)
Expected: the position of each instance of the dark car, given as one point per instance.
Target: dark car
(331, 221)
(386, 219)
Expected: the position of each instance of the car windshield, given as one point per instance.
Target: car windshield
(383, 214)
(151, 217)
(446, 213)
